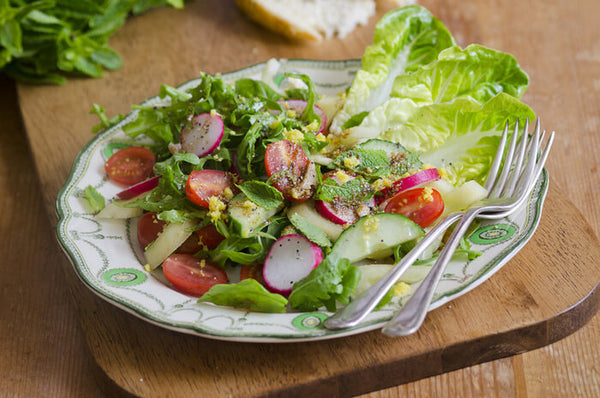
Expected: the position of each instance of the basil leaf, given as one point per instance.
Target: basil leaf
(311, 232)
(355, 120)
(262, 194)
(45, 41)
(373, 162)
(354, 191)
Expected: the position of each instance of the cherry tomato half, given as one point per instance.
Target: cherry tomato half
(192, 275)
(421, 205)
(203, 184)
(148, 228)
(205, 238)
(252, 271)
(130, 165)
(288, 164)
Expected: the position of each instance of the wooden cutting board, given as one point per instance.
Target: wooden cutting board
(549, 290)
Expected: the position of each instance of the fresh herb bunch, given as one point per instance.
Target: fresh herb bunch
(44, 41)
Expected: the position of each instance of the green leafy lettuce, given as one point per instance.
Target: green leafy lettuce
(247, 294)
(462, 136)
(477, 72)
(404, 39)
(332, 281)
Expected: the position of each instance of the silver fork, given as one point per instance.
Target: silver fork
(507, 193)
(360, 307)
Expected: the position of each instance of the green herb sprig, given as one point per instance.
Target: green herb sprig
(48, 40)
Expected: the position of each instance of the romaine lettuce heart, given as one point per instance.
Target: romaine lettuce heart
(460, 136)
(404, 39)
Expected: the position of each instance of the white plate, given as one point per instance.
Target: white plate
(107, 259)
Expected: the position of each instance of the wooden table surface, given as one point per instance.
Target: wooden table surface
(43, 350)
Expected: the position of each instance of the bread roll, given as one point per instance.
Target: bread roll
(309, 19)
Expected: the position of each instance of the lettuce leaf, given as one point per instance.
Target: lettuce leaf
(332, 281)
(404, 39)
(462, 136)
(248, 294)
(477, 72)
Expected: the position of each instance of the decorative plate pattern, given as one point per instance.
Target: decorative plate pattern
(106, 256)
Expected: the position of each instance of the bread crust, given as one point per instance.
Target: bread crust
(256, 11)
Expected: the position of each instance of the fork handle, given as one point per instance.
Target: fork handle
(353, 313)
(412, 314)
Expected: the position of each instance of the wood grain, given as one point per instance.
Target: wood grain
(40, 338)
(575, 115)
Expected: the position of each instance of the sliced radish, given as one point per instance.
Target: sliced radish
(140, 188)
(419, 178)
(412, 181)
(204, 135)
(340, 212)
(300, 105)
(290, 259)
(337, 213)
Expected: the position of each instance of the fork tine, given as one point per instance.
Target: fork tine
(516, 171)
(531, 160)
(500, 183)
(540, 161)
(493, 173)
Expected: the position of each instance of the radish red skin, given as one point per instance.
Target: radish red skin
(204, 135)
(339, 212)
(278, 259)
(412, 181)
(138, 189)
(342, 216)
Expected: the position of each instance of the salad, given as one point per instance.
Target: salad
(268, 196)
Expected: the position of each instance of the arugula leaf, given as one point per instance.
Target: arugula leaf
(95, 199)
(309, 114)
(262, 194)
(105, 122)
(312, 142)
(311, 232)
(173, 177)
(250, 88)
(248, 294)
(232, 248)
(331, 281)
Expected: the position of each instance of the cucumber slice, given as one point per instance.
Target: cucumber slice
(374, 234)
(394, 152)
(172, 236)
(370, 274)
(117, 210)
(459, 198)
(308, 211)
(247, 217)
(387, 146)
